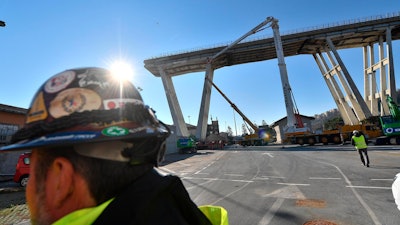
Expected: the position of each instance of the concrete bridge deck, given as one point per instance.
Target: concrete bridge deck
(355, 34)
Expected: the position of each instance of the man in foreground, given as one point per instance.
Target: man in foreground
(94, 148)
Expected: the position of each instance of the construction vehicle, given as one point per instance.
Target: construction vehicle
(390, 124)
(186, 145)
(335, 136)
(258, 137)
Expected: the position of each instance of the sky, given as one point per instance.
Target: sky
(43, 38)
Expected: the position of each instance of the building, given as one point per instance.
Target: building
(11, 119)
(213, 128)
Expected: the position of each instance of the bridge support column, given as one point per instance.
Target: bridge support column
(360, 107)
(176, 112)
(351, 105)
(384, 68)
(329, 76)
(201, 131)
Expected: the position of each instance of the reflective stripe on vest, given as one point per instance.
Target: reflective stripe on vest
(359, 142)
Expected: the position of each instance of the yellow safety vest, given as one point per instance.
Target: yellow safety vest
(216, 214)
(359, 142)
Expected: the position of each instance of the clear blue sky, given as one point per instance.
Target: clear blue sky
(43, 38)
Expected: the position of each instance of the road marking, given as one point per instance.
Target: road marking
(383, 180)
(370, 187)
(215, 160)
(273, 177)
(293, 184)
(286, 192)
(271, 212)
(217, 179)
(358, 196)
(269, 154)
(325, 178)
(234, 175)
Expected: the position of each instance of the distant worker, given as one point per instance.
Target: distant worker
(94, 148)
(360, 143)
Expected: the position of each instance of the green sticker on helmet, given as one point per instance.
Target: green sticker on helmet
(115, 131)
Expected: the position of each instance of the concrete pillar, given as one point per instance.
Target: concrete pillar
(344, 108)
(201, 131)
(176, 112)
(358, 103)
(370, 87)
(389, 50)
(383, 90)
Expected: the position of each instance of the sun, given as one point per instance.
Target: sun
(121, 70)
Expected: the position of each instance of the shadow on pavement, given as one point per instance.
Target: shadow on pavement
(175, 157)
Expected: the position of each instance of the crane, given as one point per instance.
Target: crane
(254, 127)
(260, 137)
(294, 121)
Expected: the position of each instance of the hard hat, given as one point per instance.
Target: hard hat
(86, 105)
(355, 132)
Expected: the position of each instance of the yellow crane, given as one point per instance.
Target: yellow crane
(259, 137)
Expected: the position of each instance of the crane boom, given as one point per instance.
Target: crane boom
(293, 117)
(254, 127)
(252, 31)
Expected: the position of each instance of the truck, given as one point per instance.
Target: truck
(334, 136)
(186, 145)
(390, 124)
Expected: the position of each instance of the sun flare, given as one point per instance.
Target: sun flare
(121, 70)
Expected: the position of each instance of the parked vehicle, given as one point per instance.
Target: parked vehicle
(336, 136)
(21, 175)
(186, 145)
(390, 124)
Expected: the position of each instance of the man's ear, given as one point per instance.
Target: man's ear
(59, 182)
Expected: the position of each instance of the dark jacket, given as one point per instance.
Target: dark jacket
(153, 199)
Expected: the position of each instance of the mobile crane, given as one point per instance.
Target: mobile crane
(294, 125)
(259, 137)
(295, 131)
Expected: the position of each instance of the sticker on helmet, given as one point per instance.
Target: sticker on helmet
(37, 110)
(119, 102)
(59, 82)
(74, 100)
(115, 131)
(67, 136)
(90, 77)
